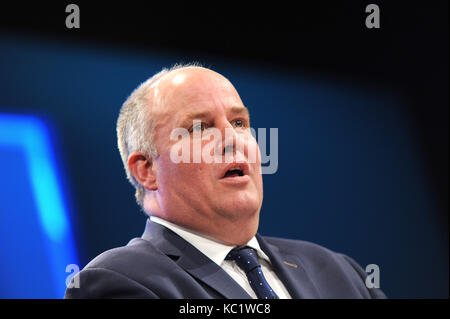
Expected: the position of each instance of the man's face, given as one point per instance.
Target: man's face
(202, 195)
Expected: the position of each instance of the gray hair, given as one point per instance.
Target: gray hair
(135, 125)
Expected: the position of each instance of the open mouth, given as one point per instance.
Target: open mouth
(234, 172)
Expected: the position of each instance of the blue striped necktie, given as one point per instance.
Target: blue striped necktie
(247, 260)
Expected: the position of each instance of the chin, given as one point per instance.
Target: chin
(240, 206)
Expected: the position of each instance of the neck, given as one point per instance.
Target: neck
(220, 227)
(234, 233)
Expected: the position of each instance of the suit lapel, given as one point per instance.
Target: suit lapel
(204, 269)
(290, 270)
(193, 261)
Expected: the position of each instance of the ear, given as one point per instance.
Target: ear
(143, 169)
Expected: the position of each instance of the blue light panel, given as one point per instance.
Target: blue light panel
(41, 254)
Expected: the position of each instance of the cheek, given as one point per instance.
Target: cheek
(256, 163)
(258, 177)
(181, 175)
(253, 152)
(193, 173)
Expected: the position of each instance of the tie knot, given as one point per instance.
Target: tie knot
(245, 257)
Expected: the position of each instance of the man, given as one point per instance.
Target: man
(201, 238)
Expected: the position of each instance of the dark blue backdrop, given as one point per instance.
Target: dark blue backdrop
(350, 174)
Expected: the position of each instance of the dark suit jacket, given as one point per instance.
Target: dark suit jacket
(161, 264)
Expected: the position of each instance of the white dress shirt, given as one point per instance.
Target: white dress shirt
(217, 252)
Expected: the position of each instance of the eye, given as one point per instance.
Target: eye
(198, 127)
(238, 123)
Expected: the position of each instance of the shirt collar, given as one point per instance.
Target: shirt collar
(213, 249)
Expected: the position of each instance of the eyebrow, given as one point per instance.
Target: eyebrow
(193, 116)
(203, 115)
(239, 110)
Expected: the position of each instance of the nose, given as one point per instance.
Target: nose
(233, 147)
(229, 149)
(228, 142)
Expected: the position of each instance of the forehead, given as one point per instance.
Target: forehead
(194, 89)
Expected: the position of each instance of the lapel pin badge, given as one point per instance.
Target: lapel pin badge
(290, 264)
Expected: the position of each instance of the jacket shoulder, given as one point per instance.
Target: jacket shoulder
(120, 258)
(325, 266)
(116, 273)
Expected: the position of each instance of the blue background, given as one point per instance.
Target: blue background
(350, 174)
